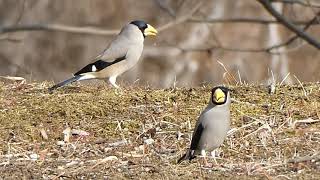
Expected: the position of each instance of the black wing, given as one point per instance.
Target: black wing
(196, 137)
(98, 65)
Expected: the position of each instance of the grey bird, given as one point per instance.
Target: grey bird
(121, 55)
(212, 126)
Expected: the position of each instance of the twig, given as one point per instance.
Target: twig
(119, 143)
(315, 157)
(13, 78)
(303, 89)
(240, 102)
(281, 125)
(43, 133)
(239, 75)
(264, 126)
(309, 120)
(130, 155)
(272, 84)
(284, 79)
(102, 161)
(166, 122)
(180, 19)
(58, 176)
(226, 70)
(256, 121)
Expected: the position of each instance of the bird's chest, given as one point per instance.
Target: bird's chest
(214, 133)
(134, 53)
(211, 140)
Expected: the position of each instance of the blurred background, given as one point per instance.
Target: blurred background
(199, 40)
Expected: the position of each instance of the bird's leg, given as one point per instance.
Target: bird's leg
(113, 80)
(213, 154)
(204, 156)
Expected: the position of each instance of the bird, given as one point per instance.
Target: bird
(120, 55)
(212, 125)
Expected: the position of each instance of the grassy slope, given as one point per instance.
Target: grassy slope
(264, 135)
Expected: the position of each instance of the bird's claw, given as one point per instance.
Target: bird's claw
(118, 91)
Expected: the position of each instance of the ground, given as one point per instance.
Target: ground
(141, 132)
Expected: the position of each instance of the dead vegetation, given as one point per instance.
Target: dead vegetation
(96, 132)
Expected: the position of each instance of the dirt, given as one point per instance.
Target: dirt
(140, 132)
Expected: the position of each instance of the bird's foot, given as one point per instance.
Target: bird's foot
(207, 165)
(119, 91)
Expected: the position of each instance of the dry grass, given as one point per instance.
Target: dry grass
(133, 134)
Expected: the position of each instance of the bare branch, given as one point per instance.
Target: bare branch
(268, 6)
(98, 31)
(181, 19)
(10, 39)
(299, 2)
(244, 20)
(215, 47)
(164, 5)
(314, 11)
(57, 27)
(6, 37)
(289, 41)
(184, 18)
(246, 50)
(88, 30)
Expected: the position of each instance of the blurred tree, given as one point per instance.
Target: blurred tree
(51, 39)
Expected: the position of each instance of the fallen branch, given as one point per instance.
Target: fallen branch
(309, 120)
(315, 157)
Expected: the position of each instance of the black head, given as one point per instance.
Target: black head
(219, 95)
(141, 25)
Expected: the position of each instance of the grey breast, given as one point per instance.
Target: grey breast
(216, 123)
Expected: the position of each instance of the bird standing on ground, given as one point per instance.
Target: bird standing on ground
(121, 55)
(212, 126)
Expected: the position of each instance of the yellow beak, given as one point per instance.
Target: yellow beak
(219, 96)
(150, 31)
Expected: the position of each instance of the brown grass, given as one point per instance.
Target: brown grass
(267, 140)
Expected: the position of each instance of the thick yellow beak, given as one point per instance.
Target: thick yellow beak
(219, 96)
(150, 31)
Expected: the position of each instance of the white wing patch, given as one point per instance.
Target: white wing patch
(93, 68)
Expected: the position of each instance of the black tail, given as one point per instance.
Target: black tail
(63, 83)
(187, 156)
